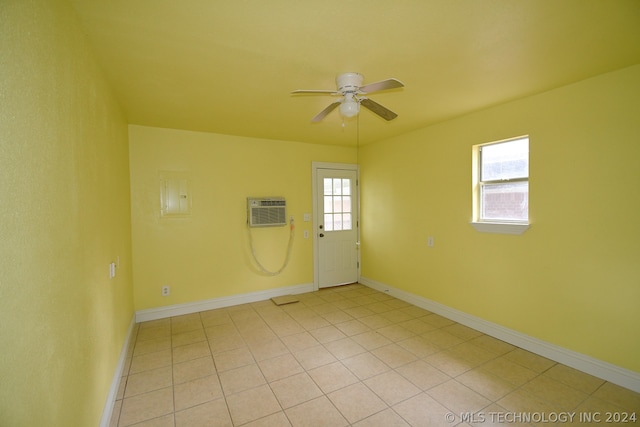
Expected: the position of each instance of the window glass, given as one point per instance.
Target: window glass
(337, 186)
(328, 222)
(328, 204)
(503, 181)
(346, 204)
(505, 160)
(506, 201)
(328, 186)
(337, 204)
(346, 221)
(346, 187)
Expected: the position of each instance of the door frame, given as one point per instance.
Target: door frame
(315, 166)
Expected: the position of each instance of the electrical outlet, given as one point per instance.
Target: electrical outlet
(166, 291)
(112, 270)
(430, 241)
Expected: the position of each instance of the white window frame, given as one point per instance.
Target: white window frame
(492, 226)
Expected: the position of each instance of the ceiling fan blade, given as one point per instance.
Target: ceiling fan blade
(383, 112)
(322, 114)
(330, 92)
(381, 85)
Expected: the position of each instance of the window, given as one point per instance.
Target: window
(501, 186)
(337, 204)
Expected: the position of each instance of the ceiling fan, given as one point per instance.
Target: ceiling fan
(352, 91)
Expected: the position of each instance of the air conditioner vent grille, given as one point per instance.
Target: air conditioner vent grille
(266, 211)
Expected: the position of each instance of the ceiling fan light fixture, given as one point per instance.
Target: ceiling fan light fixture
(349, 107)
(351, 89)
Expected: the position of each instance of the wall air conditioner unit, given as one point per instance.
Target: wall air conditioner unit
(266, 211)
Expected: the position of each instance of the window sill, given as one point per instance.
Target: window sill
(500, 227)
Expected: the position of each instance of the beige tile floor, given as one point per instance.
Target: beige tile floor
(347, 356)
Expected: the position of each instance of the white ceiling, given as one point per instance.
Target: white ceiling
(229, 66)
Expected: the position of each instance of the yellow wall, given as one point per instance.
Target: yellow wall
(207, 255)
(64, 217)
(572, 279)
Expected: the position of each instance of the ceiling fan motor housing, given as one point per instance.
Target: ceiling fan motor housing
(349, 82)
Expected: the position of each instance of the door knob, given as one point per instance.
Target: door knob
(321, 234)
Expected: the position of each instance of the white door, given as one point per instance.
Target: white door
(336, 226)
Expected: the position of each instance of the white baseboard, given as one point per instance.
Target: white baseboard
(194, 307)
(115, 383)
(598, 368)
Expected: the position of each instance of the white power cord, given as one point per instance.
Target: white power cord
(287, 257)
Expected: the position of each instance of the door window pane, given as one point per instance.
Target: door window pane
(328, 222)
(346, 187)
(328, 204)
(346, 203)
(328, 186)
(337, 222)
(337, 186)
(346, 221)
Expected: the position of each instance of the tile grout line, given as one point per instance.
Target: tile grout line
(217, 373)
